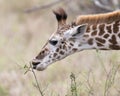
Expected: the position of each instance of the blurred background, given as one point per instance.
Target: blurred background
(25, 26)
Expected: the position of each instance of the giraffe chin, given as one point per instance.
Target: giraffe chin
(40, 67)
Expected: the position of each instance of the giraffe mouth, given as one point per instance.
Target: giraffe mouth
(34, 64)
(38, 65)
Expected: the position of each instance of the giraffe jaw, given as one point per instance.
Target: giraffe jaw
(41, 67)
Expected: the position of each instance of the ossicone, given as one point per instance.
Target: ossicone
(61, 15)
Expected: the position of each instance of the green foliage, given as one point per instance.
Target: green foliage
(73, 85)
(3, 92)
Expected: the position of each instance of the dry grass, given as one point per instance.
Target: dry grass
(21, 38)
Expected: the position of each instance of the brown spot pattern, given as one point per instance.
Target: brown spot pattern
(114, 47)
(64, 47)
(94, 27)
(99, 44)
(58, 57)
(101, 28)
(86, 35)
(94, 33)
(57, 50)
(113, 40)
(100, 40)
(103, 49)
(88, 29)
(80, 45)
(106, 36)
(74, 49)
(116, 27)
(90, 41)
(71, 39)
(55, 54)
(41, 55)
(109, 29)
(71, 44)
(119, 35)
(61, 52)
(60, 46)
(69, 47)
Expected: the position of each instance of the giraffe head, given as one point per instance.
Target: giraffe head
(61, 44)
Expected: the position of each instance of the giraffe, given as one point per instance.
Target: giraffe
(99, 31)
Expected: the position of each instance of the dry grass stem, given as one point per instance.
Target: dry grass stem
(110, 79)
(37, 84)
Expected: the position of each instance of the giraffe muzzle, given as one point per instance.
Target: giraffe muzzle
(37, 65)
(34, 64)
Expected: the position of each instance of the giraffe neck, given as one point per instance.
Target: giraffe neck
(103, 36)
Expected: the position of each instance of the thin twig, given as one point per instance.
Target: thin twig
(40, 91)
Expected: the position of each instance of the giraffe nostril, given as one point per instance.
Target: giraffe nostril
(34, 67)
(35, 63)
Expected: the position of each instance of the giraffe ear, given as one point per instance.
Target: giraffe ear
(79, 30)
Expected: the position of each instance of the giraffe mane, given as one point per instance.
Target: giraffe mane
(98, 18)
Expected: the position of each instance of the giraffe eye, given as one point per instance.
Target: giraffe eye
(53, 42)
